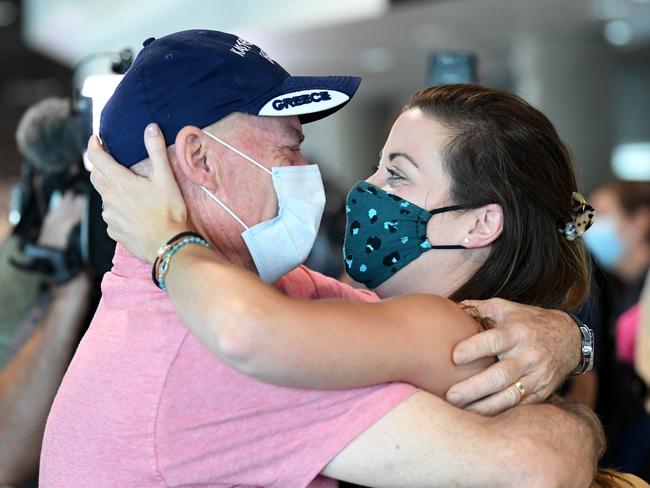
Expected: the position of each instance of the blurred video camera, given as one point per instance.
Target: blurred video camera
(52, 137)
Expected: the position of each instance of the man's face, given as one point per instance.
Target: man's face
(243, 187)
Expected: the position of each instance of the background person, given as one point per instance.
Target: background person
(620, 244)
(48, 292)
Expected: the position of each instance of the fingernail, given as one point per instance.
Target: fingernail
(454, 397)
(152, 130)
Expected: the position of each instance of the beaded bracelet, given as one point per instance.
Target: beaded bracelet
(163, 249)
(166, 252)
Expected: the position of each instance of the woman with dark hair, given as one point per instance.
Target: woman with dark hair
(474, 197)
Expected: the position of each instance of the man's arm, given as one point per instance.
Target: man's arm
(28, 384)
(425, 442)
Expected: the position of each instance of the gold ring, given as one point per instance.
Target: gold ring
(521, 389)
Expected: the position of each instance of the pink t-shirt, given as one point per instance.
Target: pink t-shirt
(145, 404)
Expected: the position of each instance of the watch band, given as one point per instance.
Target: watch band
(586, 348)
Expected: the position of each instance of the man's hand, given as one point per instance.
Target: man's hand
(536, 347)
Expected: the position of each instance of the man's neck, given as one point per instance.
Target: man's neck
(230, 247)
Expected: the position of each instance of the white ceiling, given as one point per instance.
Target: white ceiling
(388, 47)
(400, 42)
(67, 30)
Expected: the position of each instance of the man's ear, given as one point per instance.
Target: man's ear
(488, 226)
(193, 158)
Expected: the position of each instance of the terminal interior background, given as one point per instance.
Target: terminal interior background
(585, 63)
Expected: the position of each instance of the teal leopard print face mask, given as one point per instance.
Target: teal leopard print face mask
(384, 233)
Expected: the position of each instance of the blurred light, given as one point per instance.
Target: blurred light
(618, 32)
(631, 161)
(377, 60)
(608, 9)
(14, 217)
(99, 88)
(8, 13)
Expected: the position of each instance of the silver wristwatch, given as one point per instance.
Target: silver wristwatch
(586, 349)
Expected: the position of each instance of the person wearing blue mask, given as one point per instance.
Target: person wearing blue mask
(619, 242)
(418, 226)
(620, 239)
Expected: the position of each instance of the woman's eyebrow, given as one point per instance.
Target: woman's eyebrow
(392, 156)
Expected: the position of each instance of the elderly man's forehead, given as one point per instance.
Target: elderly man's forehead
(289, 127)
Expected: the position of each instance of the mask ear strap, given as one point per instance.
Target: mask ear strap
(223, 205)
(237, 151)
(451, 208)
(451, 246)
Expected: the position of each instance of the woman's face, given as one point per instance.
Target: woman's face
(410, 164)
(411, 167)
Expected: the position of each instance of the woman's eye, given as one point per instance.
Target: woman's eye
(394, 175)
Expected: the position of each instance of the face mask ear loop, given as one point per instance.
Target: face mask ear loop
(451, 208)
(237, 151)
(223, 205)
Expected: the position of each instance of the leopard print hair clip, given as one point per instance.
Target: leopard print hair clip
(582, 217)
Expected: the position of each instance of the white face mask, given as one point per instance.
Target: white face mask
(281, 244)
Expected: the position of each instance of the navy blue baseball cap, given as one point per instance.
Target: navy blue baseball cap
(197, 77)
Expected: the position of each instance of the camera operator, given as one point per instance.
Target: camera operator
(50, 267)
(30, 381)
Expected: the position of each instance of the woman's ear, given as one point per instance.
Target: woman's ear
(488, 226)
(193, 158)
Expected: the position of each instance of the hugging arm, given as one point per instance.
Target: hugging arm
(318, 344)
(425, 442)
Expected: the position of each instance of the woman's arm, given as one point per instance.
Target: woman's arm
(323, 344)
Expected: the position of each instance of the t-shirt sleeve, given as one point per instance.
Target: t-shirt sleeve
(219, 427)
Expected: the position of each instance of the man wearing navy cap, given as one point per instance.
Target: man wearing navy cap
(145, 404)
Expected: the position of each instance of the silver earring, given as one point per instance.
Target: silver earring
(466, 240)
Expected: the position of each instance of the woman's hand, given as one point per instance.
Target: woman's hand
(536, 347)
(142, 213)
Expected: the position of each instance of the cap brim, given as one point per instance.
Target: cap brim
(309, 97)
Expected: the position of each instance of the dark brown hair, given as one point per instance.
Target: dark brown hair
(503, 150)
